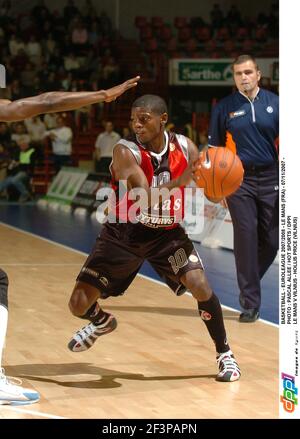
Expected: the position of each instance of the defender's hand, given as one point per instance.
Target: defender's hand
(113, 93)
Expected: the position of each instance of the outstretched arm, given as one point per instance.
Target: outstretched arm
(56, 101)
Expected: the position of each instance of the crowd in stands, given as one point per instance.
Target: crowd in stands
(225, 35)
(46, 51)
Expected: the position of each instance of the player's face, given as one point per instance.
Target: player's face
(146, 124)
(246, 76)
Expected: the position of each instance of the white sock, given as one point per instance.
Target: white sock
(3, 327)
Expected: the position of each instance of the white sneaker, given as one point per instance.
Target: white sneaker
(228, 368)
(86, 336)
(12, 393)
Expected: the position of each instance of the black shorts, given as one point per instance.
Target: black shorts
(121, 249)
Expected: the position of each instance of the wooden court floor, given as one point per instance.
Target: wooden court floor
(158, 363)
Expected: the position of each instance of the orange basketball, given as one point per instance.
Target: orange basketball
(220, 173)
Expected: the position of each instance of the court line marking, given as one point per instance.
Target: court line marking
(31, 412)
(141, 275)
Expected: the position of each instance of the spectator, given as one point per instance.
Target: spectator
(15, 44)
(20, 136)
(36, 129)
(19, 172)
(61, 138)
(127, 133)
(79, 36)
(216, 16)
(104, 148)
(50, 121)
(71, 63)
(83, 118)
(33, 49)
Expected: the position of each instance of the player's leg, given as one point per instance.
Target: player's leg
(10, 390)
(108, 271)
(178, 263)
(210, 312)
(83, 304)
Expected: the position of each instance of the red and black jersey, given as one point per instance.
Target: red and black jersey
(159, 168)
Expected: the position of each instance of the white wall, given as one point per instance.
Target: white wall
(124, 11)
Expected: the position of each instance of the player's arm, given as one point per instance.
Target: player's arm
(52, 102)
(126, 168)
(192, 150)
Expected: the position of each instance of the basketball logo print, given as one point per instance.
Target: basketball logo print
(222, 164)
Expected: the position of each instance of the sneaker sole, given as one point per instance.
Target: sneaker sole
(8, 402)
(224, 379)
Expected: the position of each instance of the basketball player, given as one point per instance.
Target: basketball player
(153, 158)
(10, 391)
(250, 118)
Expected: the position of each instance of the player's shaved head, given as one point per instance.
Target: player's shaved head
(153, 103)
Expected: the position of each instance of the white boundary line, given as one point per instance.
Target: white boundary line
(141, 275)
(31, 412)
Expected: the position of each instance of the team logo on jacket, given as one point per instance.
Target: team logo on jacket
(172, 147)
(237, 113)
(270, 109)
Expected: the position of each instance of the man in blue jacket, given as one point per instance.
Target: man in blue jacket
(247, 121)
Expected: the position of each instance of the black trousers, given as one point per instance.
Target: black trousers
(254, 211)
